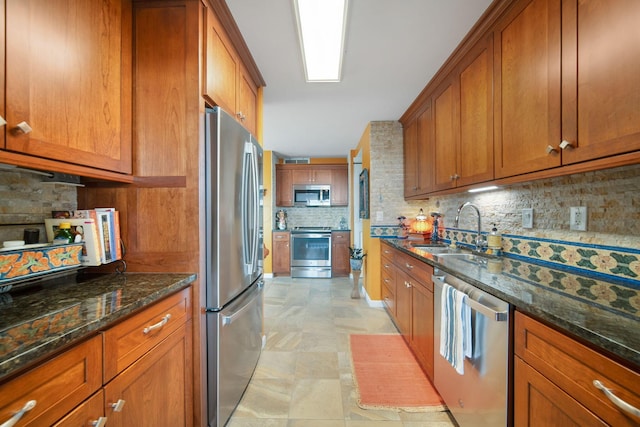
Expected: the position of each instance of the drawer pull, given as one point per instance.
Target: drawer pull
(13, 420)
(409, 266)
(117, 407)
(616, 400)
(100, 422)
(158, 325)
(407, 284)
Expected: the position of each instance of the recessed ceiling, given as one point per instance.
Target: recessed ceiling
(392, 49)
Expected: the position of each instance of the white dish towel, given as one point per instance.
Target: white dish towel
(455, 327)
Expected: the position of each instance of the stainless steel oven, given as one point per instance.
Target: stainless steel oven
(311, 252)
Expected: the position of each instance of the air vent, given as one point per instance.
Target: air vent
(299, 160)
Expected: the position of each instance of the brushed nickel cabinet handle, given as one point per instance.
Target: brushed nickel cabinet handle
(100, 422)
(24, 127)
(117, 407)
(565, 144)
(626, 407)
(551, 149)
(13, 420)
(2, 121)
(158, 325)
(409, 266)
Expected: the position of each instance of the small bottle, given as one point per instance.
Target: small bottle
(63, 235)
(495, 239)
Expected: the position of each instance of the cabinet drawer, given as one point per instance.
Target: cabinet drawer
(57, 386)
(281, 236)
(417, 269)
(573, 367)
(89, 413)
(128, 341)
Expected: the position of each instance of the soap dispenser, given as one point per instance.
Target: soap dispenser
(495, 240)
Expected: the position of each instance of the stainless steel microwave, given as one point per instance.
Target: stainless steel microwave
(312, 195)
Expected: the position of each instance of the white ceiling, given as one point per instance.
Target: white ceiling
(392, 49)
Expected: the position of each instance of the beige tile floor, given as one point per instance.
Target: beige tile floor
(303, 378)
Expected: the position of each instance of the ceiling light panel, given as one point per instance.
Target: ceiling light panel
(321, 29)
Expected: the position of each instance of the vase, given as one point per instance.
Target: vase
(356, 268)
(356, 264)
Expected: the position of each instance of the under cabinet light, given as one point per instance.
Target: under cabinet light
(321, 29)
(479, 189)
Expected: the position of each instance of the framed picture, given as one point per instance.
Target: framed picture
(364, 194)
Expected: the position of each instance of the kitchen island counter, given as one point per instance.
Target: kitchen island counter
(603, 313)
(40, 321)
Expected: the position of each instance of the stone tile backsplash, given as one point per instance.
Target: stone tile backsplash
(27, 201)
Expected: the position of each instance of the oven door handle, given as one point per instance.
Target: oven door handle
(498, 316)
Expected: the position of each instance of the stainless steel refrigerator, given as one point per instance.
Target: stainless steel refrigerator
(233, 251)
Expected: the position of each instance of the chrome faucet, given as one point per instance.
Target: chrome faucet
(480, 241)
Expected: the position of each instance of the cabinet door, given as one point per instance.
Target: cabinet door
(321, 176)
(68, 76)
(425, 151)
(340, 186)
(247, 102)
(410, 155)
(600, 84)
(301, 176)
(89, 413)
(221, 71)
(403, 303)
(57, 386)
(284, 187)
(281, 253)
(340, 266)
(527, 88)
(422, 327)
(475, 154)
(539, 402)
(446, 125)
(156, 389)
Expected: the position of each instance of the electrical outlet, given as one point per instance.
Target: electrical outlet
(527, 218)
(578, 220)
(379, 216)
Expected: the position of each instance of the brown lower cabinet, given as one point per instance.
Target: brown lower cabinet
(554, 378)
(281, 256)
(154, 389)
(407, 292)
(340, 266)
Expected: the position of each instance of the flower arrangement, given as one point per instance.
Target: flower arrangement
(356, 253)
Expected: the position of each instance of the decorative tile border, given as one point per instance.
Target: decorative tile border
(606, 262)
(600, 261)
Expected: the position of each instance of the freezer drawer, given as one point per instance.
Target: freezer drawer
(234, 344)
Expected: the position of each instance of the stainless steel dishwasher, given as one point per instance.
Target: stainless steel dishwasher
(479, 396)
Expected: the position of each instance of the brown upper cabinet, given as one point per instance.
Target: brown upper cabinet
(312, 175)
(538, 88)
(226, 81)
(418, 154)
(68, 86)
(288, 175)
(454, 134)
(567, 89)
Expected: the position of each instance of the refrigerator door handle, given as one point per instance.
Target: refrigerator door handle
(227, 320)
(251, 207)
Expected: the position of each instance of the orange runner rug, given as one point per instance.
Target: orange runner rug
(387, 376)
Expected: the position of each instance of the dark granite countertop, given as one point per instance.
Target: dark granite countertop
(605, 314)
(38, 321)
